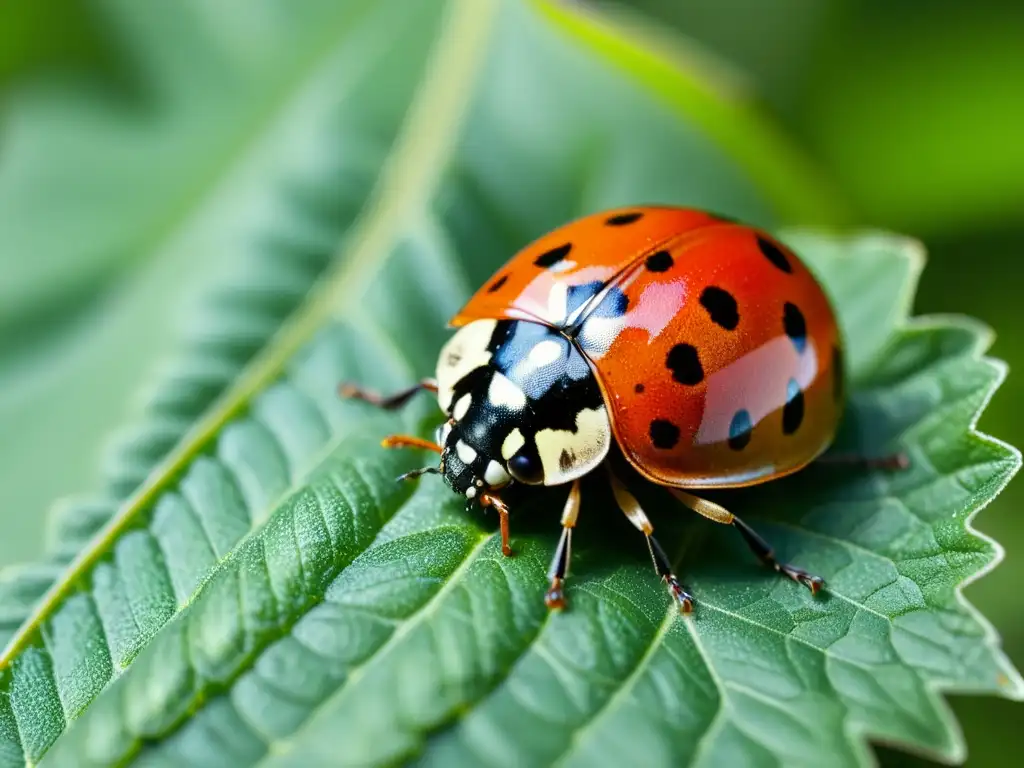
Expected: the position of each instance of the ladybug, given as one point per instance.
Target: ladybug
(702, 348)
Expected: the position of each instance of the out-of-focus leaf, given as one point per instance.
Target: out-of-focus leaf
(118, 207)
(919, 115)
(928, 102)
(34, 35)
(765, 48)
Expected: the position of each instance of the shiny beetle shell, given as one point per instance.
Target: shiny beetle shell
(715, 349)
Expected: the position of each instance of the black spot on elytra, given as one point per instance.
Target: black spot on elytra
(623, 219)
(774, 254)
(838, 374)
(548, 259)
(740, 429)
(496, 285)
(639, 389)
(795, 326)
(664, 434)
(660, 261)
(721, 306)
(685, 365)
(793, 410)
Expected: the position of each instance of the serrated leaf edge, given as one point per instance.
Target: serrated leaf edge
(915, 252)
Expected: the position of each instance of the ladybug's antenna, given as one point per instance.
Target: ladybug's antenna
(417, 472)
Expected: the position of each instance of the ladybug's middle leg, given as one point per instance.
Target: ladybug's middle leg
(757, 544)
(388, 402)
(631, 508)
(554, 598)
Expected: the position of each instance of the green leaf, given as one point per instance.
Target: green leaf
(265, 593)
(948, 170)
(120, 204)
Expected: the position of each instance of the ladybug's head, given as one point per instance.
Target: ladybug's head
(468, 470)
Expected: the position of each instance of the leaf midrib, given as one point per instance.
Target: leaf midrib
(411, 171)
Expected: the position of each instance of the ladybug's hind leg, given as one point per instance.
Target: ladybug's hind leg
(387, 402)
(892, 461)
(631, 508)
(757, 544)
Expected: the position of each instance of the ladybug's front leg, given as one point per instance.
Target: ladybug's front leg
(757, 545)
(388, 403)
(490, 500)
(631, 507)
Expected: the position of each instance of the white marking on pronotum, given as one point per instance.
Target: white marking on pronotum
(544, 353)
(466, 452)
(464, 352)
(461, 407)
(512, 443)
(471, 492)
(585, 448)
(503, 392)
(495, 474)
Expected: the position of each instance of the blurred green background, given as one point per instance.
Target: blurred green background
(913, 111)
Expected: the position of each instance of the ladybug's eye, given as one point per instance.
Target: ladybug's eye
(526, 468)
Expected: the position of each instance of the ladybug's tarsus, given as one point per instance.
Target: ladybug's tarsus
(763, 550)
(664, 568)
(554, 598)
(684, 598)
(757, 544)
(388, 402)
(662, 565)
(417, 473)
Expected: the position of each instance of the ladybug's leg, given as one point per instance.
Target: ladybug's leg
(490, 500)
(408, 441)
(631, 507)
(893, 461)
(758, 545)
(554, 598)
(388, 403)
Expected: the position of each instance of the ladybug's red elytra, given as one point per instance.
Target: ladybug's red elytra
(704, 348)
